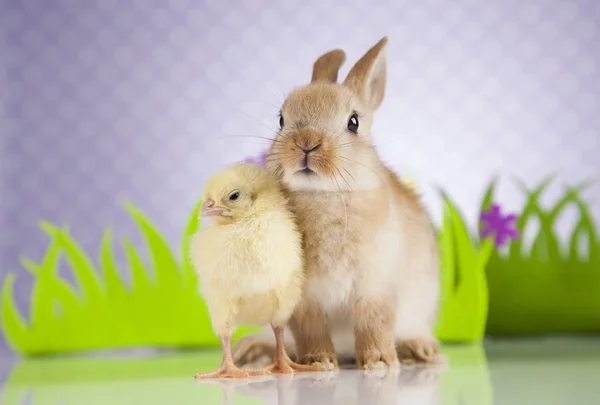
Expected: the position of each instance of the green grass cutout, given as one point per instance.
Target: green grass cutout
(546, 289)
(464, 293)
(101, 312)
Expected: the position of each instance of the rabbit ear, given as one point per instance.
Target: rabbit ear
(327, 66)
(367, 77)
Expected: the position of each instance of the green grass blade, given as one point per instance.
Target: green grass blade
(41, 295)
(114, 284)
(448, 268)
(540, 188)
(165, 267)
(469, 277)
(488, 200)
(485, 252)
(546, 240)
(49, 288)
(463, 244)
(545, 245)
(585, 225)
(531, 209)
(14, 327)
(569, 197)
(488, 197)
(30, 266)
(593, 251)
(82, 266)
(140, 283)
(463, 311)
(578, 233)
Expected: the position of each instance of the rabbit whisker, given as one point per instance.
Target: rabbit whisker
(271, 159)
(347, 144)
(251, 136)
(343, 178)
(253, 143)
(362, 164)
(275, 153)
(357, 162)
(388, 141)
(349, 174)
(338, 136)
(257, 121)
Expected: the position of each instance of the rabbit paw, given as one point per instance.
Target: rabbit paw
(327, 360)
(376, 359)
(418, 351)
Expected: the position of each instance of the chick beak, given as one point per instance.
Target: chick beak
(209, 209)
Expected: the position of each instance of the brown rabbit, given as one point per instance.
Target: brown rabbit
(372, 285)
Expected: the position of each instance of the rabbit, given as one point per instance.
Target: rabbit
(371, 256)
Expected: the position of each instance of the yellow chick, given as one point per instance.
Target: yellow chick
(249, 259)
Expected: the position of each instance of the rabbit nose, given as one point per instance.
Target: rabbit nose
(308, 150)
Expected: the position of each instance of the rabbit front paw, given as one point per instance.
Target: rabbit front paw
(326, 359)
(373, 358)
(418, 351)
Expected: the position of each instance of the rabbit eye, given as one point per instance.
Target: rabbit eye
(353, 123)
(234, 196)
(280, 121)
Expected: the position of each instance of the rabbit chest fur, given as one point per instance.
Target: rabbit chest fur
(371, 244)
(346, 236)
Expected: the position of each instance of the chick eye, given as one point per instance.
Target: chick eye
(353, 123)
(234, 196)
(280, 120)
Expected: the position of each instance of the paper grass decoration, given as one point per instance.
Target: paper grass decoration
(547, 289)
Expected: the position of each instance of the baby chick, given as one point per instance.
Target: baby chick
(249, 259)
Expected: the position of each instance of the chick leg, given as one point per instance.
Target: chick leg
(228, 369)
(283, 364)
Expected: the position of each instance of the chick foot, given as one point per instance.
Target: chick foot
(231, 371)
(283, 364)
(228, 369)
(287, 366)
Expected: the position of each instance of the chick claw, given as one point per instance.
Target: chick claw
(228, 369)
(283, 364)
(232, 372)
(287, 366)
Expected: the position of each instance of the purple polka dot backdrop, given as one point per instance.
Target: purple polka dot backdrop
(142, 100)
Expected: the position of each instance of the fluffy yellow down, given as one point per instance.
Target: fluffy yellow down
(250, 265)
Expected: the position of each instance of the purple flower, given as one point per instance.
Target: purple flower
(259, 160)
(502, 227)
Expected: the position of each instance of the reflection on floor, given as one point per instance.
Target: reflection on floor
(527, 372)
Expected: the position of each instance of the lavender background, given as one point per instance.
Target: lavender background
(108, 100)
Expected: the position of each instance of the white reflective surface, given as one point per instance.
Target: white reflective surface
(528, 372)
